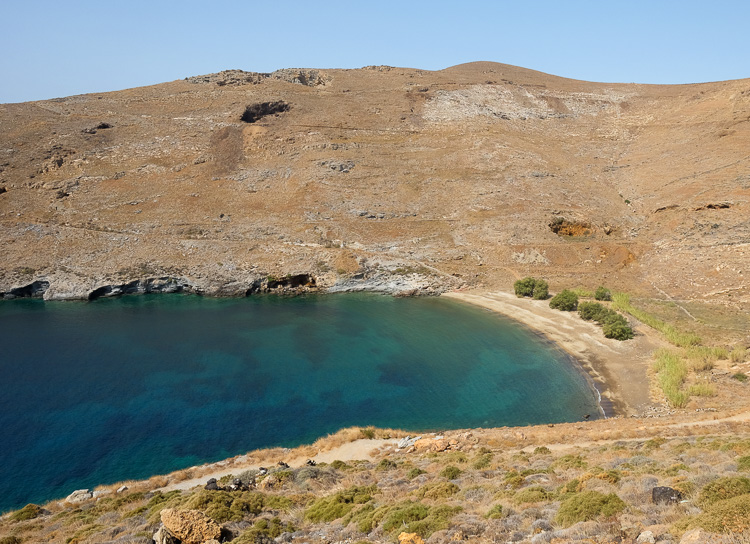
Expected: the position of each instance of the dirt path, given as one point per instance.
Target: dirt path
(619, 369)
(363, 449)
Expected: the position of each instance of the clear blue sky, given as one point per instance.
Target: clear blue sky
(63, 47)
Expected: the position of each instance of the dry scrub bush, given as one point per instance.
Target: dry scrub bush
(738, 355)
(586, 506)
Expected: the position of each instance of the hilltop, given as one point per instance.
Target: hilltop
(470, 176)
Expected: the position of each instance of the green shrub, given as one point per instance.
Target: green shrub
(541, 290)
(542, 450)
(743, 463)
(482, 461)
(588, 505)
(30, 511)
(565, 300)
(740, 377)
(724, 488)
(386, 464)
(496, 512)
(10, 540)
(531, 494)
(368, 432)
(569, 461)
(420, 519)
(730, 516)
(450, 472)
(618, 330)
(591, 310)
(264, 528)
(336, 506)
(602, 293)
(524, 287)
(413, 473)
(437, 490)
(339, 465)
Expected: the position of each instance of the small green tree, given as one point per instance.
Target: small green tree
(565, 300)
(619, 330)
(602, 293)
(590, 310)
(524, 287)
(541, 290)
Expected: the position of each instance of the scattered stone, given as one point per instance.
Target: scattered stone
(122, 489)
(163, 536)
(665, 495)
(190, 526)
(699, 536)
(646, 537)
(211, 485)
(407, 442)
(101, 493)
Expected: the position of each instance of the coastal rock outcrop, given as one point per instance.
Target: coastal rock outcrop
(190, 526)
(80, 495)
(150, 285)
(35, 289)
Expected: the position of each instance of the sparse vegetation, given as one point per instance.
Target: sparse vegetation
(738, 354)
(450, 472)
(672, 372)
(565, 300)
(30, 511)
(337, 506)
(621, 302)
(724, 488)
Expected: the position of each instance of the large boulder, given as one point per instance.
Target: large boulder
(665, 495)
(190, 526)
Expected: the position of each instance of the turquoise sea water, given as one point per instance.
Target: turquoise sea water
(125, 388)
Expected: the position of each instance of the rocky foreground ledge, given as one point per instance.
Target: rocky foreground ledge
(668, 480)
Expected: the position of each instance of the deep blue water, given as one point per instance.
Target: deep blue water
(114, 389)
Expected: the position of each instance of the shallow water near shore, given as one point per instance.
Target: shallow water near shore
(126, 388)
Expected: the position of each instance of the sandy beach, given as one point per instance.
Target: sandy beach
(619, 370)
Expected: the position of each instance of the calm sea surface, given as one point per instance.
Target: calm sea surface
(125, 388)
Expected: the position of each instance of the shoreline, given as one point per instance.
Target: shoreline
(617, 370)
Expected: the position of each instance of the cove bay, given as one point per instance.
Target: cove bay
(126, 388)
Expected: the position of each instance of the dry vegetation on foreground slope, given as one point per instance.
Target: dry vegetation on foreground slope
(583, 482)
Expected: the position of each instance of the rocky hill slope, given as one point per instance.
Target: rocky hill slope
(384, 178)
(603, 481)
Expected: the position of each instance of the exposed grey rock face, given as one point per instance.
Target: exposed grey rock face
(397, 285)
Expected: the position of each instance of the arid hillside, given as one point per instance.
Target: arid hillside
(386, 178)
